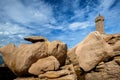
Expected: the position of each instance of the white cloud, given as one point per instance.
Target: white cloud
(50, 26)
(105, 5)
(11, 29)
(37, 13)
(80, 25)
(38, 17)
(12, 33)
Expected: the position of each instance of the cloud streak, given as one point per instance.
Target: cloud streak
(69, 21)
(80, 25)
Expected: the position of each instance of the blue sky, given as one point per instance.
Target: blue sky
(66, 20)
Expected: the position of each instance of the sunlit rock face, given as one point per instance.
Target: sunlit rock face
(19, 59)
(97, 57)
(43, 65)
(106, 71)
(92, 50)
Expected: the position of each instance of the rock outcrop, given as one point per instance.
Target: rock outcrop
(7, 53)
(43, 65)
(92, 50)
(66, 73)
(35, 39)
(110, 69)
(19, 59)
(72, 56)
(111, 38)
(114, 41)
(97, 57)
(105, 71)
(59, 50)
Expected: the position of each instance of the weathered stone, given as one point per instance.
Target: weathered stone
(19, 59)
(7, 49)
(117, 59)
(27, 55)
(107, 37)
(66, 73)
(68, 67)
(7, 55)
(59, 50)
(111, 38)
(67, 62)
(42, 65)
(109, 71)
(72, 56)
(67, 77)
(116, 46)
(54, 74)
(96, 76)
(35, 39)
(100, 66)
(92, 50)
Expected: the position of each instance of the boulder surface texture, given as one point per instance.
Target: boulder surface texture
(43, 65)
(19, 59)
(92, 50)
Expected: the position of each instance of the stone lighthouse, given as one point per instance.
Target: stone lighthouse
(100, 24)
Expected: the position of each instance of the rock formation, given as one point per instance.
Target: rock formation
(66, 73)
(43, 65)
(106, 71)
(97, 57)
(92, 50)
(35, 39)
(19, 59)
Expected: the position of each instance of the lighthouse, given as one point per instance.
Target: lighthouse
(100, 24)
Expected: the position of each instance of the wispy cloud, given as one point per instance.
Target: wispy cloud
(69, 21)
(37, 13)
(80, 25)
(12, 33)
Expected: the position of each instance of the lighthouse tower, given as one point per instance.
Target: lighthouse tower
(100, 24)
